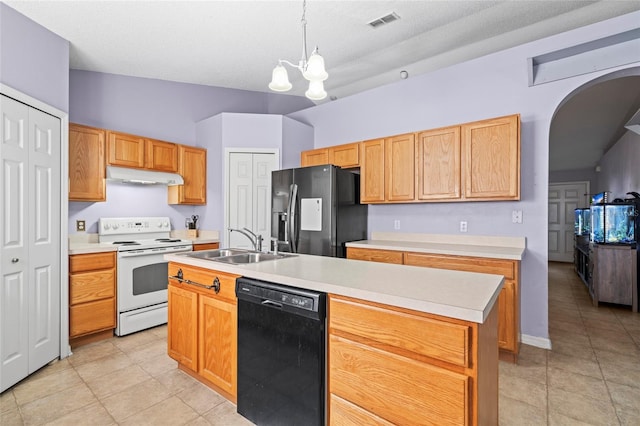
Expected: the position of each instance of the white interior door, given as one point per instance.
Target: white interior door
(29, 240)
(564, 198)
(249, 196)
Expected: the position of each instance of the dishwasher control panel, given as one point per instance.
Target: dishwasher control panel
(277, 295)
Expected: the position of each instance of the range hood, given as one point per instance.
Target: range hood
(124, 174)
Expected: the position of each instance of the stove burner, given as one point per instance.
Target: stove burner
(168, 240)
(127, 243)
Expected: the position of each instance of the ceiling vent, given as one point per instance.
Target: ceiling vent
(386, 19)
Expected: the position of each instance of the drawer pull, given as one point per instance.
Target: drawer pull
(180, 277)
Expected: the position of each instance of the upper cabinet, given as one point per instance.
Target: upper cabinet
(135, 151)
(491, 159)
(86, 163)
(439, 164)
(372, 171)
(388, 170)
(345, 156)
(192, 166)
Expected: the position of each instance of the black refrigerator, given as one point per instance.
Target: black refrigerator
(316, 210)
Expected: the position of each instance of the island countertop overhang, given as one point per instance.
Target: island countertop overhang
(462, 295)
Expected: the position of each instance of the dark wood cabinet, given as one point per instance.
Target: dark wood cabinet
(614, 278)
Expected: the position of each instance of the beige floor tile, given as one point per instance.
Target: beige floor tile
(513, 412)
(597, 411)
(628, 416)
(529, 371)
(39, 386)
(103, 366)
(159, 365)
(577, 383)
(92, 352)
(625, 396)
(172, 411)
(575, 364)
(11, 418)
(176, 381)
(225, 415)
(117, 381)
(531, 354)
(620, 374)
(557, 419)
(8, 401)
(134, 341)
(576, 350)
(91, 415)
(149, 350)
(198, 421)
(532, 393)
(160, 331)
(53, 367)
(200, 397)
(624, 347)
(59, 404)
(135, 399)
(558, 328)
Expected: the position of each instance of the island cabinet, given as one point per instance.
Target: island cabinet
(390, 365)
(92, 297)
(192, 166)
(86, 163)
(508, 300)
(202, 326)
(345, 156)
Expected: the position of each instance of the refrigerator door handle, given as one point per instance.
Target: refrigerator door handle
(291, 217)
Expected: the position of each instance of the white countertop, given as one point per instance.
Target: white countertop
(512, 248)
(462, 295)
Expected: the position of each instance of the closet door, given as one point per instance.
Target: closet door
(29, 240)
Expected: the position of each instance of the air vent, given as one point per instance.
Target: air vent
(386, 19)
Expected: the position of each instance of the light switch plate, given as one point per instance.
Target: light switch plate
(516, 216)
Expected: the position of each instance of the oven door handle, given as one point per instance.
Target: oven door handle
(180, 278)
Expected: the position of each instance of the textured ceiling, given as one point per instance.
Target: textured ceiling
(236, 44)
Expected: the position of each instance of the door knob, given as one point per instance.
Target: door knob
(15, 260)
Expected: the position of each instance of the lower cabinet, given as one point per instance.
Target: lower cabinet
(205, 246)
(389, 365)
(508, 301)
(92, 297)
(614, 275)
(202, 326)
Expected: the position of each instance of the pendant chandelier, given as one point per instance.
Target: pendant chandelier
(311, 69)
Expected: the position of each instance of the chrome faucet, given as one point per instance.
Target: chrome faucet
(256, 240)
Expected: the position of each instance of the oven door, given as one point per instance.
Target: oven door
(143, 277)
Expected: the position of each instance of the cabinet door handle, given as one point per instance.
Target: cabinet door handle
(15, 260)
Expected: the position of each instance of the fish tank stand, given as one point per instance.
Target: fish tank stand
(614, 275)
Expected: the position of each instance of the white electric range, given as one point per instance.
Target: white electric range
(142, 271)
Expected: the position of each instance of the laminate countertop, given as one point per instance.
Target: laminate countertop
(461, 295)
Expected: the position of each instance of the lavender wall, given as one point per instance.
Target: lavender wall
(168, 111)
(489, 86)
(588, 175)
(296, 137)
(33, 60)
(620, 172)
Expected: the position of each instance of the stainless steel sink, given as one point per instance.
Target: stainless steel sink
(236, 256)
(252, 257)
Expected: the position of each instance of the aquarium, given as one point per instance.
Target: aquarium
(613, 223)
(582, 221)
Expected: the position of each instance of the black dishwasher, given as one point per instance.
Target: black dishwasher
(281, 354)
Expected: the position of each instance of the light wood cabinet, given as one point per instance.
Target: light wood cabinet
(202, 328)
(125, 150)
(508, 300)
(161, 156)
(192, 166)
(491, 159)
(86, 163)
(400, 170)
(408, 367)
(372, 171)
(346, 156)
(205, 246)
(92, 296)
(439, 164)
(314, 157)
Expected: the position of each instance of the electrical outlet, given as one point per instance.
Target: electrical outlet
(516, 216)
(80, 226)
(463, 226)
(396, 224)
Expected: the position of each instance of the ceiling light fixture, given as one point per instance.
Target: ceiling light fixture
(312, 69)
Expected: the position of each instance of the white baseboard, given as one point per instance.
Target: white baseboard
(539, 342)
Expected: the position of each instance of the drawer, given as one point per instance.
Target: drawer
(91, 317)
(398, 389)
(91, 286)
(462, 263)
(91, 262)
(344, 413)
(384, 256)
(448, 342)
(205, 246)
(206, 277)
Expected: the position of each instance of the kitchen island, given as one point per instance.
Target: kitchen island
(405, 344)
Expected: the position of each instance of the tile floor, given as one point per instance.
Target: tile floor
(591, 377)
